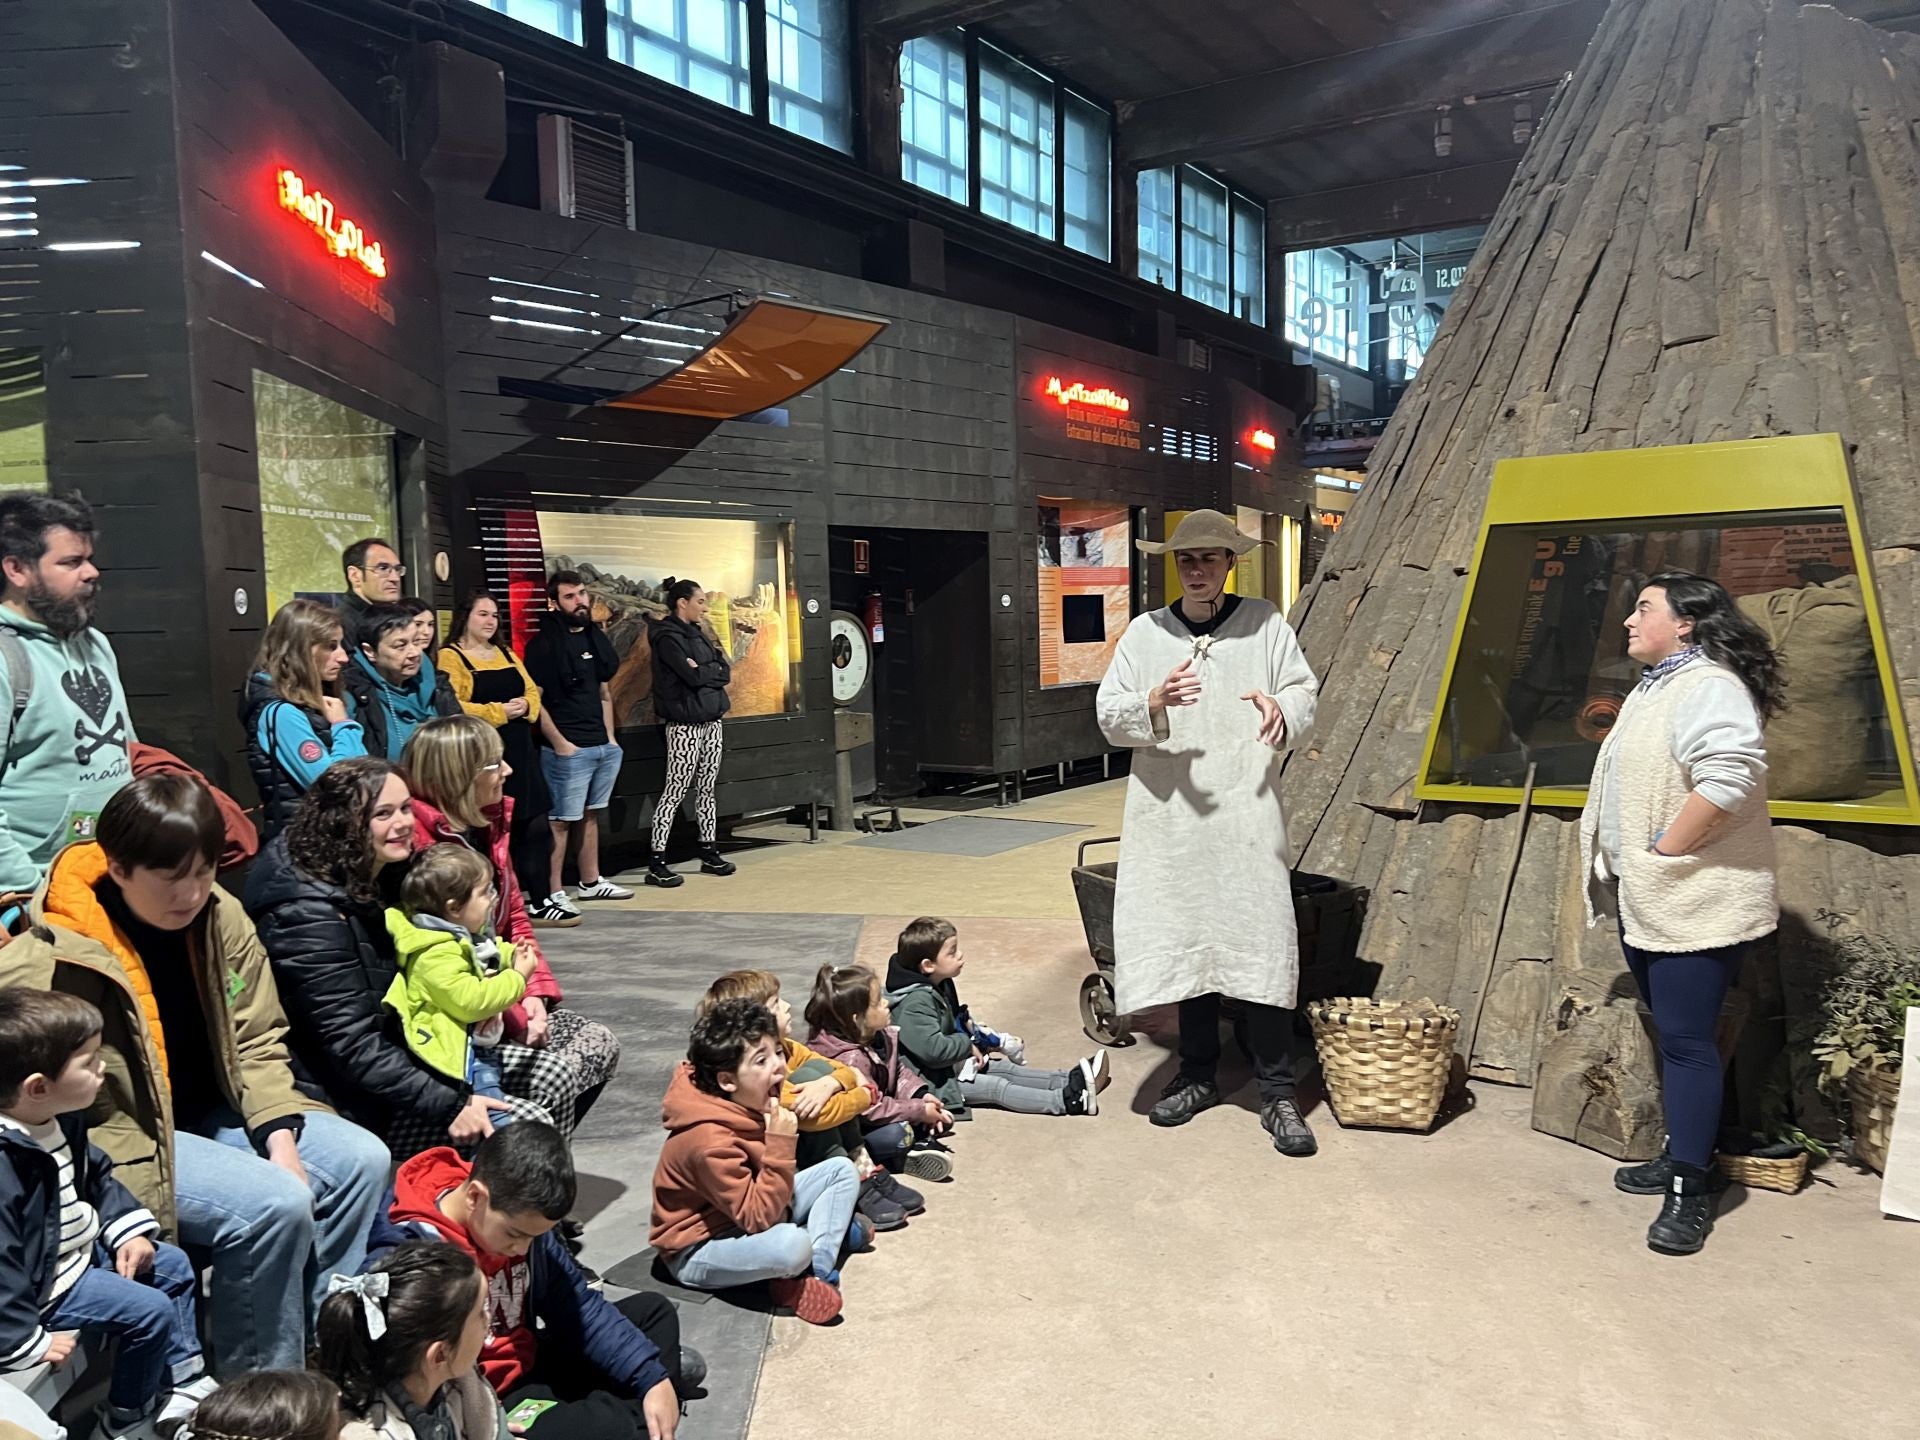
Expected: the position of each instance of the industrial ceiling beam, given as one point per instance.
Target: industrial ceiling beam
(895, 20)
(1496, 57)
(1404, 205)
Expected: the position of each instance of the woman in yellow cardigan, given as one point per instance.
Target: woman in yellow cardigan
(494, 686)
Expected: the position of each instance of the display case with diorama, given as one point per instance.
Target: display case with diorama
(625, 558)
(1539, 669)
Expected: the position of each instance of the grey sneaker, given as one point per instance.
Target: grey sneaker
(1182, 1100)
(1291, 1134)
(930, 1165)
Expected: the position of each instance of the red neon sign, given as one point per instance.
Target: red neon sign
(1077, 393)
(344, 238)
(1263, 440)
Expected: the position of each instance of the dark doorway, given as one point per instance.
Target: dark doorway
(932, 690)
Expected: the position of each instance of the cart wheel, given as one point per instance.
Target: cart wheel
(1097, 1014)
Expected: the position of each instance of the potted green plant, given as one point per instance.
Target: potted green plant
(1862, 1031)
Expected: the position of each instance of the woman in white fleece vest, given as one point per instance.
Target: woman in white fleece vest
(1675, 841)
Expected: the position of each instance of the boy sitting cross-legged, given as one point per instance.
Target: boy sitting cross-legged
(563, 1359)
(728, 1207)
(77, 1252)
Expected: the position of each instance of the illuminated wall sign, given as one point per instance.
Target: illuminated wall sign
(1263, 440)
(344, 238)
(1078, 394)
(1098, 414)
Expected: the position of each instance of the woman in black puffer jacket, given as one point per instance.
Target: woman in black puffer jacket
(317, 896)
(690, 678)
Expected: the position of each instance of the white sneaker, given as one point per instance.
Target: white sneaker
(182, 1401)
(603, 889)
(1097, 1074)
(560, 901)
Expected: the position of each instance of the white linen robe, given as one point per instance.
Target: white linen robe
(1204, 903)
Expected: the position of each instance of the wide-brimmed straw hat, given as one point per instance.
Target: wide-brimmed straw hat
(1203, 530)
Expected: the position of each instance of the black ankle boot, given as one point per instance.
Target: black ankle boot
(712, 862)
(1686, 1214)
(1651, 1178)
(659, 874)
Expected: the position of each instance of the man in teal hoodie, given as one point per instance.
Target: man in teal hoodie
(390, 689)
(70, 746)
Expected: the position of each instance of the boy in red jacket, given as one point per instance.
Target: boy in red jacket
(728, 1208)
(562, 1358)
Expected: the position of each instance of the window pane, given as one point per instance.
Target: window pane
(809, 87)
(1203, 240)
(1249, 261)
(699, 45)
(933, 114)
(556, 17)
(1157, 257)
(1016, 143)
(1087, 204)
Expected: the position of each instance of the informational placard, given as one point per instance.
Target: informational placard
(1086, 575)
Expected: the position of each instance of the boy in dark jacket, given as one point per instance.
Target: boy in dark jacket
(964, 1062)
(77, 1252)
(563, 1359)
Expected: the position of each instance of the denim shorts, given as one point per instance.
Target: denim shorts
(581, 781)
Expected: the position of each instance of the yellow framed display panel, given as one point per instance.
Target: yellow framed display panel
(1784, 474)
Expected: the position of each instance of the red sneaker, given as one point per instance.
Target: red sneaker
(808, 1296)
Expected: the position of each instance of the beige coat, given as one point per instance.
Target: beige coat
(475, 1409)
(1722, 894)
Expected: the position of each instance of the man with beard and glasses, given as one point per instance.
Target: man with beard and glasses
(68, 733)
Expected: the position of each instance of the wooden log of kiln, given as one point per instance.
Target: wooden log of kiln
(1715, 235)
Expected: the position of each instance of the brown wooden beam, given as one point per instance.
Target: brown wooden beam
(898, 20)
(1407, 205)
(1496, 57)
(877, 106)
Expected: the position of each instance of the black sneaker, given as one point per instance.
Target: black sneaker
(572, 1234)
(659, 874)
(551, 912)
(905, 1196)
(1655, 1177)
(1291, 1134)
(1081, 1096)
(693, 1370)
(1686, 1215)
(881, 1211)
(712, 862)
(1182, 1100)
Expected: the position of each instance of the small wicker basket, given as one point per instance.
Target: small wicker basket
(1385, 1064)
(1873, 1094)
(1784, 1173)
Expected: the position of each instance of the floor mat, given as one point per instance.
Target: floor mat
(975, 835)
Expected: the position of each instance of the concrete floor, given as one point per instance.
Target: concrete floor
(1097, 1277)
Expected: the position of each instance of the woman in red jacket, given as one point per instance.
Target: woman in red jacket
(553, 1056)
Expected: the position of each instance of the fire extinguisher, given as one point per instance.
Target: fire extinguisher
(876, 624)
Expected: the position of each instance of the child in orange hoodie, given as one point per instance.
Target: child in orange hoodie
(728, 1205)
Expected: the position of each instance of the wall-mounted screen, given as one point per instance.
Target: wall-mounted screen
(326, 480)
(23, 420)
(1086, 581)
(745, 566)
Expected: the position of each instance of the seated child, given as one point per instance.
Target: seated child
(450, 993)
(78, 1254)
(728, 1205)
(401, 1341)
(827, 1097)
(270, 1405)
(598, 1371)
(941, 1038)
(850, 1021)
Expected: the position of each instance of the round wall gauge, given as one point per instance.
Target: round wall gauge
(852, 656)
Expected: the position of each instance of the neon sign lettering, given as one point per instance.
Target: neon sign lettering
(1077, 393)
(343, 237)
(1263, 440)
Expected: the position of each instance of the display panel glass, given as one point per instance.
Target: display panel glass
(23, 420)
(745, 566)
(1539, 669)
(326, 480)
(1086, 588)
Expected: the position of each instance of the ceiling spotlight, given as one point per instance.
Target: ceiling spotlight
(1522, 123)
(1443, 134)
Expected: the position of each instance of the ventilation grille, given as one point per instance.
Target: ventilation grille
(586, 172)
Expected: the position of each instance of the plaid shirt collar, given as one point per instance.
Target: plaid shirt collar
(1654, 673)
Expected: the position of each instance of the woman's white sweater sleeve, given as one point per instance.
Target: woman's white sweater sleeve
(1717, 738)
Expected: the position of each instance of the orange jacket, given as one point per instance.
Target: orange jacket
(843, 1107)
(720, 1173)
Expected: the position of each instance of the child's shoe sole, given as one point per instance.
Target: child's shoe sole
(929, 1165)
(807, 1296)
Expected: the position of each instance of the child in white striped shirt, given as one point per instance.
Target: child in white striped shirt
(78, 1254)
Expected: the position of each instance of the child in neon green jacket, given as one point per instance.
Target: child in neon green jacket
(451, 993)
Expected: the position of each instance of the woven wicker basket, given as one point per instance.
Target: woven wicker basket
(1873, 1094)
(1766, 1172)
(1385, 1064)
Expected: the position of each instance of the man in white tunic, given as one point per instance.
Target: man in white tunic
(1208, 693)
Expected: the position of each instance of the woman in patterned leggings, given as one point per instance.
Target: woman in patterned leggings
(690, 677)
